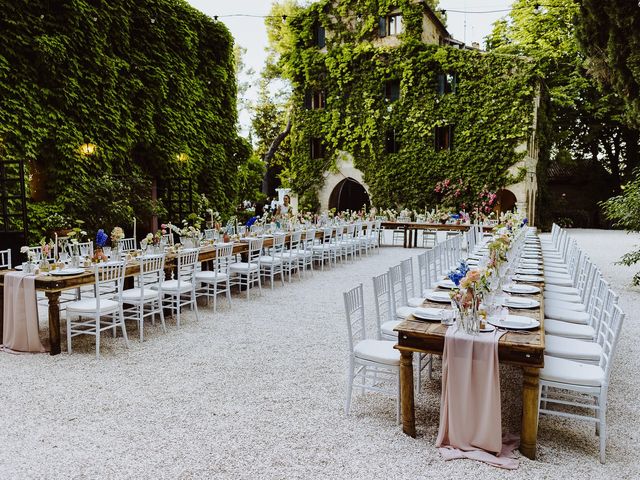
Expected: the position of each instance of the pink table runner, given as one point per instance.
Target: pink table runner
(470, 412)
(20, 332)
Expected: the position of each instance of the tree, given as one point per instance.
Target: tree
(588, 122)
(609, 33)
(271, 122)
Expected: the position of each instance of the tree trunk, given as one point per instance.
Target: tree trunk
(272, 152)
(632, 152)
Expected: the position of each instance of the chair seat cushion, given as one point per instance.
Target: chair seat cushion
(243, 267)
(555, 313)
(209, 276)
(561, 289)
(572, 348)
(133, 294)
(561, 370)
(387, 327)
(555, 304)
(89, 305)
(570, 330)
(380, 351)
(557, 280)
(550, 269)
(564, 297)
(269, 260)
(404, 312)
(172, 286)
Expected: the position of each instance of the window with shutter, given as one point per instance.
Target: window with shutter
(319, 36)
(317, 148)
(444, 138)
(392, 142)
(392, 90)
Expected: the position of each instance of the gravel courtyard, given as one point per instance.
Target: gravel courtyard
(257, 391)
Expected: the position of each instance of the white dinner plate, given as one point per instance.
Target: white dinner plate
(472, 261)
(428, 313)
(531, 256)
(67, 271)
(514, 322)
(473, 256)
(520, 288)
(528, 278)
(438, 297)
(446, 283)
(520, 302)
(18, 267)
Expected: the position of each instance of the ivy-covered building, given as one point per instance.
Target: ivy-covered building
(387, 104)
(98, 96)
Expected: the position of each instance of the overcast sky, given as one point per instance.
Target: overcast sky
(251, 34)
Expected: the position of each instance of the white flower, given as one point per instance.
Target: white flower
(24, 249)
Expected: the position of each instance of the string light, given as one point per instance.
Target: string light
(536, 8)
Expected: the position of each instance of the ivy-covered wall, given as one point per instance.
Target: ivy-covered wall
(490, 111)
(144, 80)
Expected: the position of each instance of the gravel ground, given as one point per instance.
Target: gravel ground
(257, 391)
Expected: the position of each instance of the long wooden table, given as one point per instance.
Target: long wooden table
(410, 229)
(523, 349)
(53, 286)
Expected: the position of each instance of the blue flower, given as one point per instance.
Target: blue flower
(459, 273)
(101, 238)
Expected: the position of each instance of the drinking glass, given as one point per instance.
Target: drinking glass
(447, 317)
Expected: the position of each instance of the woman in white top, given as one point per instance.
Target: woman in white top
(285, 208)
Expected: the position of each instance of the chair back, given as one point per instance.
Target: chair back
(398, 288)
(354, 309)
(423, 273)
(309, 239)
(294, 241)
(224, 257)
(85, 248)
(127, 244)
(277, 250)
(382, 294)
(406, 267)
(187, 261)
(151, 272)
(106, 275)
(608, 335)
(255, 249)
(5, 259)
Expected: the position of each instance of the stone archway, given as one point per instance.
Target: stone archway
(506, 201)
(349, 194)
(344, 169)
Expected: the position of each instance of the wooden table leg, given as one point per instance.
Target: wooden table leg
(529, 433)
(406, 394)
(415, 237)
(54, 321)
(404, 235)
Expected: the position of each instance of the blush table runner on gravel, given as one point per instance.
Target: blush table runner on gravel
(20, 329)
(470, 411)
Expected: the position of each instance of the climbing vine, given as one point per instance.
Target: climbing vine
(490, 111)
(150, 83)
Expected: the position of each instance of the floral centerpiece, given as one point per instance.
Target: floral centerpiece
(468, 296)
(101, 241)
(31, 258)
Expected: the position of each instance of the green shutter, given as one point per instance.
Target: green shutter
(382, 26)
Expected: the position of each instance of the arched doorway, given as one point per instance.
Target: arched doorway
(349, 195)
(505, 201)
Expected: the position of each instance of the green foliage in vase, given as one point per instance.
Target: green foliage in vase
(490, 110)
(151, 83)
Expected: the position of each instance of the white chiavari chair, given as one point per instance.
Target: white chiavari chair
(217, 280)
(373, 364)
(247, 274)
(181, 291)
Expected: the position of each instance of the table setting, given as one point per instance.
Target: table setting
(479, 307)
